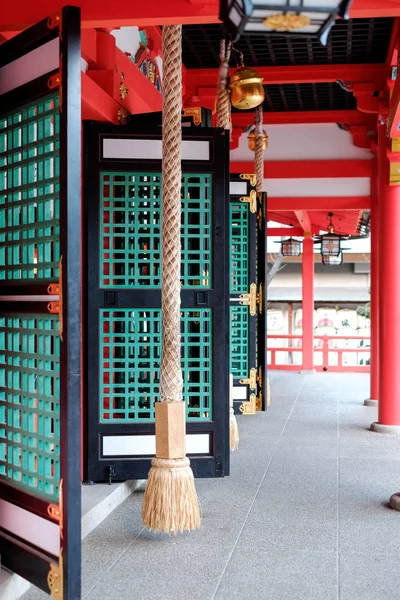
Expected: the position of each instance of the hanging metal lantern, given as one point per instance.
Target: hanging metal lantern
(246, 87)
(332, 261)
(290, 247)
(330, 242)
(251, 140)
(312, 19)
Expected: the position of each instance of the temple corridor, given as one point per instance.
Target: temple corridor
(303, 516)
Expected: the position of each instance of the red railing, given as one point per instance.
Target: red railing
(327, 355)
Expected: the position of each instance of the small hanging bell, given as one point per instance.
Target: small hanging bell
(251, 140)
(246, 88)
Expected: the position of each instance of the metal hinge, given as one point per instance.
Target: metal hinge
(249, 177)
(251, 381)
(259, 401)
(251, 200)
(252, 299)
(194, 112)
(55, 289)
(55, 579)
(260, 377)
(249, 407)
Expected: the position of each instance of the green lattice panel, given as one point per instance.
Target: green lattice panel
(239, 357)
(130, 354)
(239, 245)
(29, 191)
(130, 230)
(29, 402)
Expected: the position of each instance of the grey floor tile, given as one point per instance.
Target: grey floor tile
(366, 569)
(255, 588)
(286, 567)
(368, 593)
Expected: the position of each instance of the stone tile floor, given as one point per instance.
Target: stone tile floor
(303, 516)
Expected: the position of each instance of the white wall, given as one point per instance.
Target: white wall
(316, 141)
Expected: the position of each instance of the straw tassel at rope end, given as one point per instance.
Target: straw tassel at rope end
(170, 503)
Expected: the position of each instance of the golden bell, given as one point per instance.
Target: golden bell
(246, 88)
(251, 140)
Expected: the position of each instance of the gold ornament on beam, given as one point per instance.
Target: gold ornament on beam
(286, 22)
(246, 88)
(251, 140)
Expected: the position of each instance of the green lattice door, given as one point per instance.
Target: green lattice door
(247, 248)
(123, 197)
(40, 305)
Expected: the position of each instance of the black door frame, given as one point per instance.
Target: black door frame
(216, 464)
(27, 560)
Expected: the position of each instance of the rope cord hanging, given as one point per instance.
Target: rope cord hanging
(170, 502)
(223, 96)
(259, 170)
(259, 153)
(224, 121)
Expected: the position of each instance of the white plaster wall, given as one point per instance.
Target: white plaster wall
(127, 39)
(319, 187)
(316, 141)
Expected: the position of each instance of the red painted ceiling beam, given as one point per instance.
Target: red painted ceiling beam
(103, 13)
(284, 231)
(308, 169)
(328, 203)
(347, 117)
(366, 9)
(203, 82)
(304, 220)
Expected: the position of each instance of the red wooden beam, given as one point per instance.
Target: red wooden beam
(304, 169)
(284, 231)
(327, 203)
(368, 9)
(97, 105)
(103, 13)
(106, 14)
(304, 219)
(345, 117)
(203, 82)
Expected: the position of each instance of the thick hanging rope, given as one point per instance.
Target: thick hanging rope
(259, 169)
(224, 121)
(170, 502)
(223, 96)
(259, 154)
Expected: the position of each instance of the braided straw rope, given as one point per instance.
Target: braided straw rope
(259, 154)
(170, 502)
(223, 98)
(171, 382)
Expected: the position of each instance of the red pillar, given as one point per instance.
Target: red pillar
(389, 295)
(374, 285)
(308, 304)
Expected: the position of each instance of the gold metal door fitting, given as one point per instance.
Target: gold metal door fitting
(194, 112)
(55, 289)
(249, 407)
(252, 299)
(55, 579)
(260, 377)
(251, 380)
(251, 200)
(249, 177)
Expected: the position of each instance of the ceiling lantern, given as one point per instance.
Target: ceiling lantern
(332, 261)
(295, 18)
(290, 247)
(330, 242)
